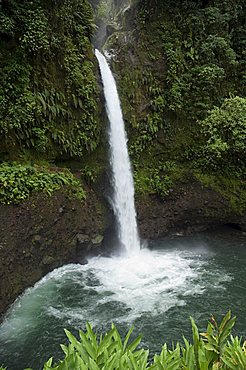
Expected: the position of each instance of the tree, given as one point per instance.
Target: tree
(225, 131)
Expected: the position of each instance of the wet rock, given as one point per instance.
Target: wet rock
(83, 238)
(33, 245)
(48, 261)
(61, 209)
(82, 261)
(26, 254)
(36, 239)
(200, 209)
(97, 240)
(49, 242)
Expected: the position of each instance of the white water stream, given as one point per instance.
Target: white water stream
(123, 197)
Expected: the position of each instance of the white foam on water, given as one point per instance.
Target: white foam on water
(151, 282)
(118, 289)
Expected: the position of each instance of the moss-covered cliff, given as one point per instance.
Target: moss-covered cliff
(49, 94)
(181, 75)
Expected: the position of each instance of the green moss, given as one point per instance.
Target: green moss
(158, 179)
(234, 190)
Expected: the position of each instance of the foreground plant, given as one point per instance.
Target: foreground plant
(209, 351)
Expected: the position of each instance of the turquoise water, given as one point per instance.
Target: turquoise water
(156, 291)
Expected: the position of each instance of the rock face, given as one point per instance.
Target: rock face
(110, 16)
(44, 233)
(189, 208)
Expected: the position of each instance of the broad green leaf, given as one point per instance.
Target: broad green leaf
(93, 365)
(48, 364)
(92, 336)
(106, 341)
(134, 344)
(64, 349)
(230, 364)
(224, 321)
(227, 329)
(210, 347)
(117, 337)
(127, 338)
(87, 345)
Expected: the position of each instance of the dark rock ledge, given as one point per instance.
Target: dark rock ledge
(188, 209)
(44, 233)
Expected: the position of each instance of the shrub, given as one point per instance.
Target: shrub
(225, 131)
(18, 181)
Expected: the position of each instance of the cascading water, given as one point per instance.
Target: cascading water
(123, 198)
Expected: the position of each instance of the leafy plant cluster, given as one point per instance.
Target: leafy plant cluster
(209, 351)
(48, 88)
(225, 132)
(183, 87)
(90, 174)
(156, 179)
(18, 182)
(202, 50)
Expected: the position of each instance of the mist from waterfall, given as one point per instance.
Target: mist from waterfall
(123, 196)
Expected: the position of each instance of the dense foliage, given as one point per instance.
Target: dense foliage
(183, 88)
(225, 130)
(48, 88)
(181, 76)
(209, 351)
(203, 56)
(18, 181)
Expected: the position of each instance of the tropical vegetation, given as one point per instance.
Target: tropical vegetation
(19, 181)
(48, 90)
(182, 88)
(214, 349)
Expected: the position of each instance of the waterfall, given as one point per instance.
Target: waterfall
(123, 197)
